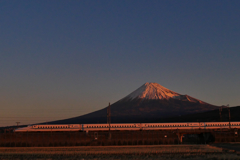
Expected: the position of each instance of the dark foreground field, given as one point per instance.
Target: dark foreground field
(163, 152)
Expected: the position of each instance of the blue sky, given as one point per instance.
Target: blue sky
(61, 59)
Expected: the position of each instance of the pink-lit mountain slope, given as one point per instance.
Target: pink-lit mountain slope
(154, 91)
(149, 102)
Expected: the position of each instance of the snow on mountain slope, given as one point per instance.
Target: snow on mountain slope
(188, 98)
(152, 91)
(156, 91)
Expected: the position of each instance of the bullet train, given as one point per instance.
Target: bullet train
(127, 126)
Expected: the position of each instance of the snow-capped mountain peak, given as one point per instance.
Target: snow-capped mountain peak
(152, 91)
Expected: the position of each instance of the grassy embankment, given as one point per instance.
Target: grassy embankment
(118, 152)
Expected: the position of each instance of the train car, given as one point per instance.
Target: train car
(50, 128)
(170, 126)
(113, 127)
(217, 125)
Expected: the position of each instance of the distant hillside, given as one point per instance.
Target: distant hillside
(209, 116)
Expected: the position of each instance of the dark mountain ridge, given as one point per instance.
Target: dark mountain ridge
(148, 103)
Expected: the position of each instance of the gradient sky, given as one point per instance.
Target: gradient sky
(65, 58)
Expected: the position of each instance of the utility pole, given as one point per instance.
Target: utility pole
(17, 123)
(229, 116)
(109, 115)
(109, 119)
(220, 113)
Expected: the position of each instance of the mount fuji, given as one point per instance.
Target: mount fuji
(148, 103)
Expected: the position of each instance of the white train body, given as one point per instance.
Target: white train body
(50, 128)
(128, 126)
